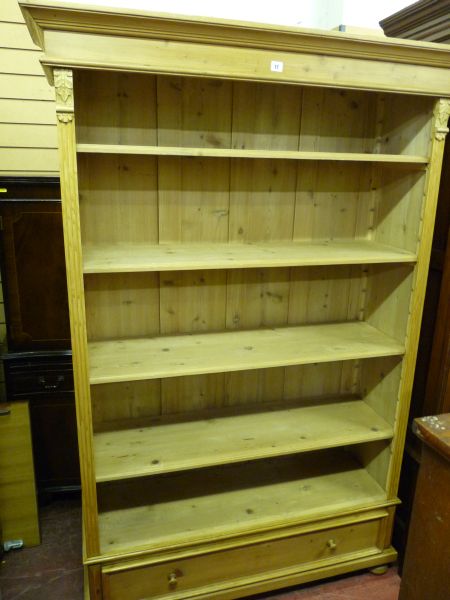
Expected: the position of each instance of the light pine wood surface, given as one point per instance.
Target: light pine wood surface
(317, 548)
(226, 437)
(247, 244)
(121, 258)
(276, 491)
(238, 153)
(19, 518)
(168, 356)
(75, 291)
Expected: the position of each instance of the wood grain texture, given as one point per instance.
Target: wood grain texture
(193, 200)
(245, 243)
(122, 306)
(18, 502)
(348, 128)
(251, 497)
(234, 436)
(130, 401)
(151, 358)
(220, 31)
(435, 432)
(118, 200)
(429, 529)
(194, 112)
(437, 137)
(36, 321)
(239, 153)
(87, 50)
(130, 117)
(260, 120)
(333, 201)
(307, 572)
(75, 289)
(276, 557)
(122, 258)
(437, 394)
(425, 21)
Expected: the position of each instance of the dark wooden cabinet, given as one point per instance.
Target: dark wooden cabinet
(34, 275)
(45, 379)
(426, 572)
(38, 364)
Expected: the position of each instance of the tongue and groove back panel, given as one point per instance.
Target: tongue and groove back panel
(157, 200)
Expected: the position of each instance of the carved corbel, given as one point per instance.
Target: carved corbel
(63, 79)
(442, 114)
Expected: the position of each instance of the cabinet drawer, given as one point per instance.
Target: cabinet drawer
(40, 381)
(176, 578)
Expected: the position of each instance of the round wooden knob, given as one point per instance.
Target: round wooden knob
(173, 577)
(331, 544)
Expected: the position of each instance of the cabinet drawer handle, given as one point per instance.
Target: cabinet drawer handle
(173, 577)
(5, 410)
(331, 544)
(51, 386)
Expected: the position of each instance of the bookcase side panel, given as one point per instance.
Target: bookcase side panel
(75, 290)
(399, 197)
(438, 132)
(405, 127)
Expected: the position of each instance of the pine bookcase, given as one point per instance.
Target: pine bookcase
(248, 214)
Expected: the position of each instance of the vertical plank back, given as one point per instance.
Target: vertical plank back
(266, 116)
(115, 108)
(194, 112)
(337, 120)
(118, 199)
(332, 202)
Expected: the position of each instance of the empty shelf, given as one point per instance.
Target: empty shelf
(165, 447)
(228, 500)
(119, 258)
(173, 356)
(247, 153)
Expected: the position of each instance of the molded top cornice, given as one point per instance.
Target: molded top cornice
(47, 15)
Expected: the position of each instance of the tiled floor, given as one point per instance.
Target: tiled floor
(52, 571)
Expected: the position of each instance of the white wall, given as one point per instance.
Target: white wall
(325, 14)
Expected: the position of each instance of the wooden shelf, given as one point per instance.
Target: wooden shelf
(227, 438)
(239, 153)
(174, 356)
(121, 258)
(227, 500)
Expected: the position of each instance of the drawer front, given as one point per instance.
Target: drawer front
(40, 381)
(176, 578)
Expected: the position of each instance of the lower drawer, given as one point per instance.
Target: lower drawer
(176, 578)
